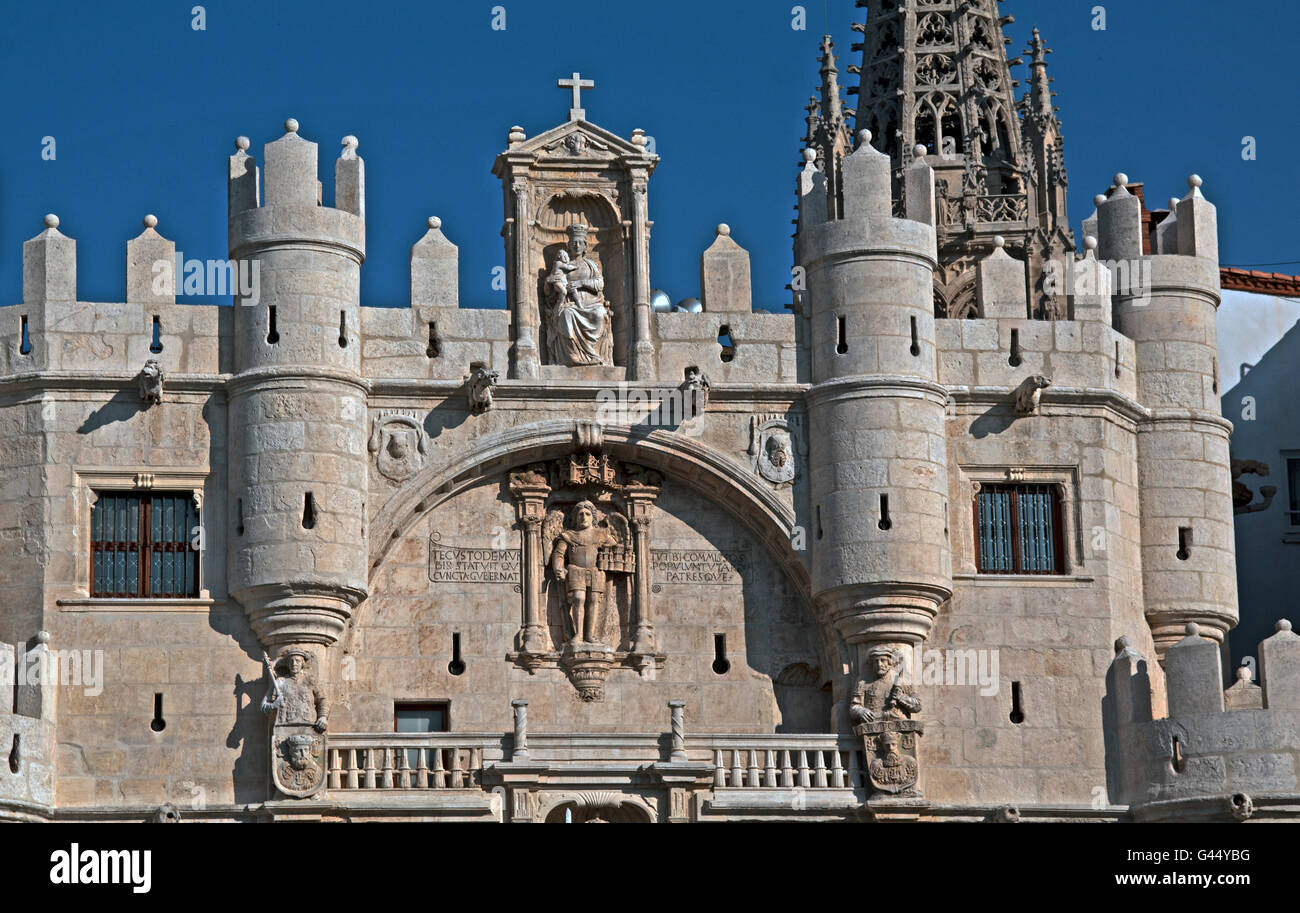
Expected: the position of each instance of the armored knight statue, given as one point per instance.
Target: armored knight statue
(294, 695)
(575, 562)
(884, 697)
(579, 320)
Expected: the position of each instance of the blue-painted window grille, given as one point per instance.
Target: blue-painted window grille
(143, 546)
(1018, 530)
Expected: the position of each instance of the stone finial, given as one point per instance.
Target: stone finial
(435, 269)
(50, 265)
(243, 188)
(1198, 223)
(1279, 667)
(867, 177)
(918, 189)
(150, 267)
(725, 275)
(1244, 694)
(350, 179)
(639, 139)
(813, 209)
(1119, 223)
(1099, 199)
(919, 151)
(291, 170)
(1000, 284)
(1167, 230)
(517, 136)
(1193, 675)
(1091, 285)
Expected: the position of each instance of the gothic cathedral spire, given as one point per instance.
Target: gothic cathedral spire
(935, 74)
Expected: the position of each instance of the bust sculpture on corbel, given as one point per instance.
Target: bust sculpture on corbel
(151, 382)
(881, 711)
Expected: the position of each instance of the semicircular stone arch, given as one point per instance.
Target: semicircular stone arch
(750, 609)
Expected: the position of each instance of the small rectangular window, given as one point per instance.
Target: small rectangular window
(421, 718)
(1293, 490)
(144, 546)
(1018, 530)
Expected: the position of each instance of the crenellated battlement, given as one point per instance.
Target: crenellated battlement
(1227, 754)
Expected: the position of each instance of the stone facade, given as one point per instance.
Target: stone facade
(648, 566)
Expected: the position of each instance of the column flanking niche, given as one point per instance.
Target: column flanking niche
(577, 238)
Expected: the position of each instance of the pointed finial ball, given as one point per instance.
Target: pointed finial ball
(51, 221)
(1243, 674)
(809, 155)
(151, 221)
(1283, 625)
(1089, 243)
(350, 143)
(920, 151)
(724, 229)
(1193, 629)
(1194, 181)
(1173, 204)
(864, 138)
(999, 242)
(1121, 180)
(1122, 644)
(242, 143)
(42, 637)
(435, 223)
(1099, 199)
(291, 126)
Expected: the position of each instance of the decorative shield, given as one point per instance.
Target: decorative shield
(890, 747)
(298, 755)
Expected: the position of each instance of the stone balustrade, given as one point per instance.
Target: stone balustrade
(415, 761)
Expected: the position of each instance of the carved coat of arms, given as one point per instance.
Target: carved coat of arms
(399, 444)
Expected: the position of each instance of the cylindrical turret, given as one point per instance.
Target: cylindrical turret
(297, 414)
(1166, 303)
(881, 563)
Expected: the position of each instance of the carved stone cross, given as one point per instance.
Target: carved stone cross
(577, 84)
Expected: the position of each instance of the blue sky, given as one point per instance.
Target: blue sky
(144, 111)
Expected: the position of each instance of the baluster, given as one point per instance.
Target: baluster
(804, 782)
(753, 769)
(386, 781)
(737, 772)
(457, 777)
(335, 781)
(475, 766)
(353, 766)
(439, 774)
(422, 770)
(370, 768)
(837, 769)
(719, 769)
(769, 770)
(821, 770)
(403, 769)
(855, 769)
(787, 772)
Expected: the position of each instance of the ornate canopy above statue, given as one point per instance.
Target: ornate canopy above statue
(577, 245)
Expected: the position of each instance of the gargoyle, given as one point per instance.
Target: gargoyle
(151, 382)
(482, 387)
(1029, 393)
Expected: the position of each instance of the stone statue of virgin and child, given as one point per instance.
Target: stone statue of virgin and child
(579, 328)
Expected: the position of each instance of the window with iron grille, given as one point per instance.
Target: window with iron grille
(1018, 530)
(142, 546)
